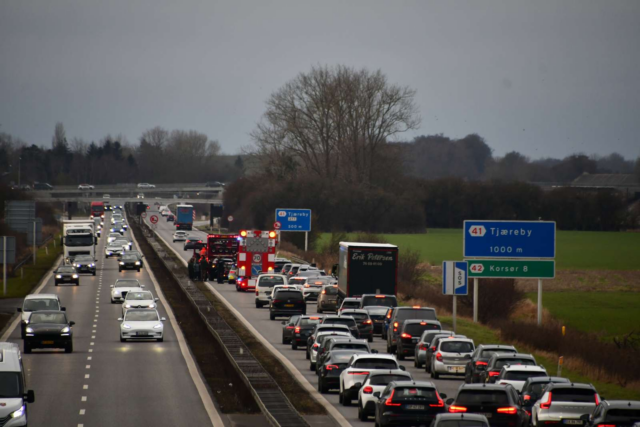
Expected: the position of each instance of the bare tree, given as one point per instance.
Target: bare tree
(59, 136)
(79, 146)
(334, 117)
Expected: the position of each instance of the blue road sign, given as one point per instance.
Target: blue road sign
(454, 278)
(509, 239)
(294, 219)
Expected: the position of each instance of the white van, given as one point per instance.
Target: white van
(264, 286)
(15, 396)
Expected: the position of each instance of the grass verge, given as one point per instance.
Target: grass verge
(19, 287)
(483, 334)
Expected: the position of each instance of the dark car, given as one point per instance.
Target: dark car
(480, 359)
(499, 403)
(435, 341)
(171, 218)
(341, 343)
(376, 381)
(66, 274)
(410, 334)
(399, 315)
(532, 390)
(363, 322)
(138, 254)
(298, 329)
(42, 186)
(287, 302)
(334, 363)
(367, 300)
(349, 322)
(85, 264)
(377, 314)
(404, 403)
(128, 262)
(617, 413)
(460, 420)
(48, 329)
(328, 299)
(324, 328)
(498, 360)
(193, 243)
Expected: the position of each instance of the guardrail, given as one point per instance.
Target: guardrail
(28, 257)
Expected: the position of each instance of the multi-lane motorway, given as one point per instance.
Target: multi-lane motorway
(272, 330)
(105, 382)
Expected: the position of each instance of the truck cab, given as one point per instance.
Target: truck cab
(79, 238)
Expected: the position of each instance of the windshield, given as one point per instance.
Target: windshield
(573, 395)
(297, 281)
(482, 397)
(387, 301)
(416, 329)
(141, 316)
(47, 318)
(350, 346)
(412, 393)
(377, 311)
(288, 295)
(351, 304)
(140, 296)
(387, 378)
(375, 364)
(129, 258)
(486, 354)
(456, 346)
(522, 375)
(74, 241)
(41, 304)
(341, 321)
(83, 258)
(127, 284)
(10, 385)
(501, 362)
(310, 321)
(357, 316)
(416, 313)
(66, 270)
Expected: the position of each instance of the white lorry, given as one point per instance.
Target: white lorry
(78, 238)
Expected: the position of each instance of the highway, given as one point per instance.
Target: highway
(272, 330)
(105, 382)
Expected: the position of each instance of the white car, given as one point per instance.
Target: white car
(37, 302)
(180, 236)
(264, 287)
(113, 237)
(122, 287)
(517, 375)
(126, 245)
(141, 323)
(85, 187)
(146, 185)
(106, 196)
(165, 212)
(376, 381)
(356, 368)
(140, 196)
(320, 337)
(112, 249)
(451, 356)
(313, 286)
(142, 299)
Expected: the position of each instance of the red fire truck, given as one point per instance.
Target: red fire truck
(97, 210)
(256, 254)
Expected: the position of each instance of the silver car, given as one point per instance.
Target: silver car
(420, 351)
(142, 324)
(564, 403)
(451, 356)
(122, 287)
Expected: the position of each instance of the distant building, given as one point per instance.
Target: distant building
(626, 183)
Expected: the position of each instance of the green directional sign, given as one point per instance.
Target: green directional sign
(514, 269)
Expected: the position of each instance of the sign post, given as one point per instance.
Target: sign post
(510, 249)
(4, 265)
(454, 282)
(295, 220)
(35, 249)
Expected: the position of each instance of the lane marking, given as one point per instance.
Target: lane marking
(90, 350)
(88, 357)
(88, 367)
(93, 337)
(87, 376)
(85, 387)
(84, 399)
(82, 411)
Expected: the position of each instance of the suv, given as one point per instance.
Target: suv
(498, 403)
(320, 329)
(564, 403)
(367, 300)
(341, 343)
(534, 387)
(264, 287)
(328, 299)
(451, 356)
(359, 365)
(286, 302)
(349, 303)
(410, 333)
(480, 358)
(348, 321)
(409, 403)
(614, 412)
(435, 342)
(376, 381)
(38, 302)
(363, 322)
(498, 360)
(516, 375)
(421, 347)
(399, 315)
(298, 329)
(14, 393)
(377, 314)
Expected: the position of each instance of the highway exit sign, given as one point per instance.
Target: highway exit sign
(512, 269)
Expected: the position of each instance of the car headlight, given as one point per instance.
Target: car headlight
(152, 305)
(127, 306)
(75, 276)
(76, 265)
(124, 325)
(137, 262)
(18, 413)
(116, 292)
(58, 276)
(65, 330)
(158, 326)
(29, 330)
(109, 253)
(121, 263)
(92, 265)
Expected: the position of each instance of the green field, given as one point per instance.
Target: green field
(575, 249)
(609, 313)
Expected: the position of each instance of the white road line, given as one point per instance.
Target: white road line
(93, 337)
(87, 376)
(82, 411)
(88, 357)
(85, 387)
(88, 367)
(84, 399)
(90, 350)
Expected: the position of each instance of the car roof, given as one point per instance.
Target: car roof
(49, 311)
(430, 322)
(465, 416)
(546, 380)
(512, 356)
(377, 356)
(42, 296)
(142, 310)
(352, 299)
(411, 383)
(353, 310)
(582, 386)
(622, 404)
(481, 386)
(347, 339)
(496, 347)
(459, 339)
(379, 372)
(524, 367)
(414, 308)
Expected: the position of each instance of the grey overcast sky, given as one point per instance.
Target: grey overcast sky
(546, 78)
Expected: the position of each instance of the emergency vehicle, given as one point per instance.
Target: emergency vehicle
(256, 254)
(97, 210)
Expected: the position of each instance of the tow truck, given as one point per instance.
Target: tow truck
(256, 254)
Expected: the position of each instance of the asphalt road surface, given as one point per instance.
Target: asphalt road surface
(105, 382)
(272, 330)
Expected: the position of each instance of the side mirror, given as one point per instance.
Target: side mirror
(449, 401)
(63, 308)
(119, 319)
(142, 286)
(19, 310)
(164, 319)
(72, 323)
(443, 396)
(156, 299)
(374, 351)
(376, 394)
(402, 368)
(30, 396)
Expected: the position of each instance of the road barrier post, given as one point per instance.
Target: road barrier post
(475, 300)
(560, 363)
(4, 264)
(539, 302)
(35, 248)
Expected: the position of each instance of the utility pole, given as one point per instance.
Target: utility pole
(19, 165)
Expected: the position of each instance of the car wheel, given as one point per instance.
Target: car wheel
(319, 311)
(69, 348)
(400, 356)
(272, 317)
(27, 348)
(339, 396)
(122, 339)
(94, 273)
(56, 283)
(345, 400)
(294, 345)
(434, 375)
(258, 304)
(312, 366)
(362, 416)
(160, 339)
(307, 356)
(321, 387)
(284, 340)
(138, 269)
(78, 283)
(370, 339)
(119, 270)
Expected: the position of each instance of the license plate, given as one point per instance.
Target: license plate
(573, 422)
(142, 334)
(455, 369)
(47, 342)
(488, 415)
(415, 407)
(288, 305)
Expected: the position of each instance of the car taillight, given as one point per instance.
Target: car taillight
(257, 293)
(439, 357)
(405, 335)
(528, 413)
(331, 367)
(366, 322)
(316, 345)
(481, 363)
(277, 300)
(510, 410)
(290, 327)
(606, 425)
(457, 409)
(526, 397)
(494, 373)
(433, 349)
(597, 399)
(423, 348)
(367, 390)
(546, 404)
(324, 292)
(389, 402)
(440, 403)
(358, 373)
(297, 330)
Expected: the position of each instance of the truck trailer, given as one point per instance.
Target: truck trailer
(78, 238)
(367, 268)
(184, 217)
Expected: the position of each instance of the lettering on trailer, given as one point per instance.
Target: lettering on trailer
(371, 259)
(509, 239)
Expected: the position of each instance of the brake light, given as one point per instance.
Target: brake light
(316, 345)
(526, 397)
(528, 413)
(416, 306)
(389, 315)
(277, 300)
(546, 404)
(481, 363)
(440, 403)
(389, 402)
(494, 373)
(297, 330)
(314, 318)
(439, 357)
(331, 367)
(257, 293)
(380, 296)
(367, 390)
(366, 322)
(597, 399)
(510, 410)
(433, 348)
(395, 326)
(324, 292)
(457, 409)
(290, 327)
(423, 348)
(606, 425)
(306, 285)
(358, 373)
(405, 335)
